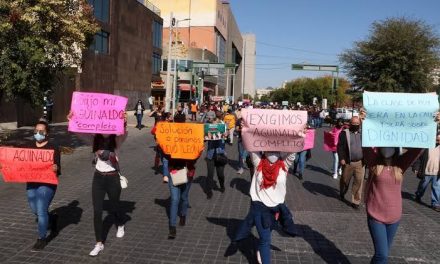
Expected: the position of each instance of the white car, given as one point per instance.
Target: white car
(346, 113)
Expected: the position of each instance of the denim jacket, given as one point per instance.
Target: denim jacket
(215, 146)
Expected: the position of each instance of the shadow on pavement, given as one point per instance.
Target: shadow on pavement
(165, 203)
(247, 246)
(317, 169)
(65, 216)
(125, 207)
(322, 246)
(318, 188)
(203, 181)
(241, 184)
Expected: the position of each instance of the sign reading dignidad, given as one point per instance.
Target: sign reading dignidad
(27, 165)
(399, 120)
(273, 130)
(97, 113)
(180, 140)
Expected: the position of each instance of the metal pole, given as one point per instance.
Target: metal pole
(227, 85)
(175, 84)
(243, 69)
(168, 89)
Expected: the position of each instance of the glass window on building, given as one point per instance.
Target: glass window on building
(101, 9)
(157, 34)
(100, 42)
(156, 64)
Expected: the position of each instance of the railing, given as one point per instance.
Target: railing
(150, 6)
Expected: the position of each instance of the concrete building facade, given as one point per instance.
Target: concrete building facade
(205, 27)
(250, 51)
(124, 59)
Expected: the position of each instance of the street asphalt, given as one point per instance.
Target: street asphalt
(329, 230)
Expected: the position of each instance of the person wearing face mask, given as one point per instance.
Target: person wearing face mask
(139, 113)
(350, 153)
(383, 195)
(427, 168)
(268, 192)
(40, 195)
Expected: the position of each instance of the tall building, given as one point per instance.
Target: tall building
(205, 30)
(250, 52)
(124, 59)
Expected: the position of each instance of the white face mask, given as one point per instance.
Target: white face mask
(272, 157)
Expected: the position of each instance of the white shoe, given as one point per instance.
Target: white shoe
(335, 176)
(121, 232)
(340, 172)
(240, 171)
(98, 248)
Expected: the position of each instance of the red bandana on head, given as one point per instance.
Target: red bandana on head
(270, 171)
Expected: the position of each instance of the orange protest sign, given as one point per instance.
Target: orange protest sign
(27, 165)
(180, 140)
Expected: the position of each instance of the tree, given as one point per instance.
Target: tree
(40, 39)
(398, 56)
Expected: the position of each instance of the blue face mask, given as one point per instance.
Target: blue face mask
(38, 137)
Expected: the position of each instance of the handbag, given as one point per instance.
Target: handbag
(123, 180)
(179, 177)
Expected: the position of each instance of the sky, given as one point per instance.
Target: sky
(316, 31)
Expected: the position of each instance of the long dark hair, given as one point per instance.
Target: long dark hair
(101, 143)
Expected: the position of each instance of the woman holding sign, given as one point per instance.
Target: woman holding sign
(39, 194)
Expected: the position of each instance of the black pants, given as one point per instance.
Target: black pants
(110, 185)
(220, 175)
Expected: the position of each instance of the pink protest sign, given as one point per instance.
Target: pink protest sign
(273, 130)
(309, 142)
(329, 141)
(97, 113)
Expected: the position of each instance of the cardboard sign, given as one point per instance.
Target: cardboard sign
(97, 113)
(27, 165)
(329, 141)
(309, 142)
(214, 131)
(273, 130)
(180, 140)
(399, 120)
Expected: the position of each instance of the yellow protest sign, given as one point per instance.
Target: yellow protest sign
(180, 140)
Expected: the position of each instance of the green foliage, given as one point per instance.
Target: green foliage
(398, 56)
(303, 90)
(265, 98)
(38, 40)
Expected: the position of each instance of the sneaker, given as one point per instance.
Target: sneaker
(335, 176)
(173, 232)
(340, 172)
(240, 171)
(436, 208)
(300, 176)
(98, 248)
(39, 245)
(355, 206)
(121, 232)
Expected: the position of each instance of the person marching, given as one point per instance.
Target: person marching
(427, 168)
(336, 130)
(179, 194)
(139, 113)
(268, 192)
(350, 155)
(229, 119)
(40, 195)
(216, 160)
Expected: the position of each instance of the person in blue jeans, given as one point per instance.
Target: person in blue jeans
(427, 169)
(242, 153)
(300, 163)
(382, 235)
(39, 194)
(139, 113)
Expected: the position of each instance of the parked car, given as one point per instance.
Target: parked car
(346, 113)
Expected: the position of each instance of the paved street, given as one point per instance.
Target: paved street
(329, 230)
